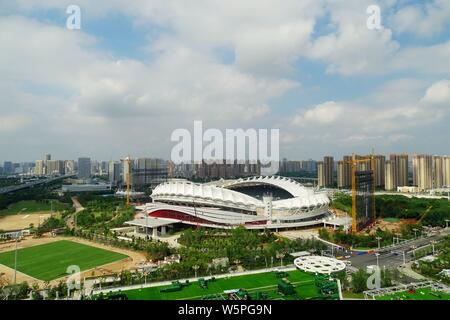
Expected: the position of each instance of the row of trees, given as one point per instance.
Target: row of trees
(103, 213)
(25, 291)
(441, 262)
(432, 211)
(357, 240)
(358, 280)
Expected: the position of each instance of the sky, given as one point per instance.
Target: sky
(137, 70)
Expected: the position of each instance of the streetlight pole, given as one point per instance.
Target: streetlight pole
(379, 238)
(432, 245)
(146, 226)
(15, 262)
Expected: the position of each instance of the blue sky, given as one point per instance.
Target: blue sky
(138, 70)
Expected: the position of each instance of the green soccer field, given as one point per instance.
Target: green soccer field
(32, 206)
(50, 261)
(264, 282)
(420, 294)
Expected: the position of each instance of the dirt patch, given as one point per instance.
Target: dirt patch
(22, 221)
(390, 225)
(339, 213)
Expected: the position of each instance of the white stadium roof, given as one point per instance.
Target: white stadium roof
(221, 193)
(293, 187)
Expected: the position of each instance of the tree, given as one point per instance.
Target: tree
(359, 281)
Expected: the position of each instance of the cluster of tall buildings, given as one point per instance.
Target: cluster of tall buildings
(225, 170)
(9, 168)
(48, 167)
(144, 172)
(297, 166)
(428, 172)
(431, 172)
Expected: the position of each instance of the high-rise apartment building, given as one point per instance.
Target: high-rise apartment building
(438, 172)
(423, 171)
(55, 167)
(69, 167)
(325, 171)
(344, 172)
(398, 170)
(115, 172)
(84, 168)
(446, 171)
(39, 168)
(389, 178)
(320, 174)
(8, 168)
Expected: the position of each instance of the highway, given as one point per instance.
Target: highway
(23, 186)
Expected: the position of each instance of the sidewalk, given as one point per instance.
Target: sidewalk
(407, 271)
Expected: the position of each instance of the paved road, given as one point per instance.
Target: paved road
(27, 185)
(70, 220)
(392, 257)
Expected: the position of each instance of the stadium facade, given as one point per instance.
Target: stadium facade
(255, 203)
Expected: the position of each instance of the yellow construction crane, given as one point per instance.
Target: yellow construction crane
(354, 163)
(128, 162)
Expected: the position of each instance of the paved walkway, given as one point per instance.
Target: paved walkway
(407, 271)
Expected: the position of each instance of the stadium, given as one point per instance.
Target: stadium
(257, 203)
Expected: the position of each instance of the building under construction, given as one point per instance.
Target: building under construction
(365, 205)
(363, 191)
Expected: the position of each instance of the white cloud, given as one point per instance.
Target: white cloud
(425, 20)
(321, 114)
(382, 120)
(65, 85)
(439, 92)
(72, 92)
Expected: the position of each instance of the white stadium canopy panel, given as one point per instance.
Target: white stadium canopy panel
(319, 264)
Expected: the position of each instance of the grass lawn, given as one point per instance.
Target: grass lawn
(266, 282)
(50, 261)
(352, 295)
(32, 206)
(420, 294)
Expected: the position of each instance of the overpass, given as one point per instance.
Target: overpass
(27, 185)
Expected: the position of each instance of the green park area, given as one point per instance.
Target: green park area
(33, 206)
(255, 284)
(419, 294)
(50, 261)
